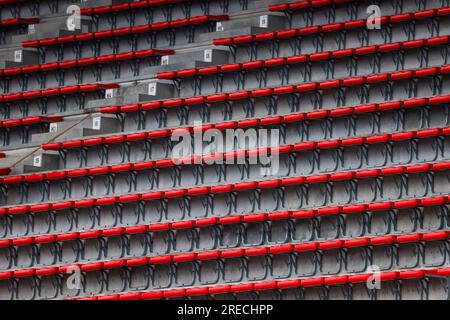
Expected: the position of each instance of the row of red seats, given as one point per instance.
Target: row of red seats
(305, 4)
(333, 27)
(228, 220)
(127, 31)
(84, 62)
(282, 90)
(220, 189)
(350, 279)
(229, 254)
(303, 58)
(29, 121)
(247, 123)
(52, 92)
(14, 22)
(209, 158)
(127, 6)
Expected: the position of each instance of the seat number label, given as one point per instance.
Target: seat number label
(152, 89)
(18, 56)
(31, 29)
(165, 60)
(37, 161)
(109, 93)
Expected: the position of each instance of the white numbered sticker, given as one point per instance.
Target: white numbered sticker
(219, 26)
(165, 60)
(37, 161)
(208, 55)
(109, 93)
(53, 127)
(152, 89)
(18, 56)
(96, 123)
(31, 29)
(264, 21)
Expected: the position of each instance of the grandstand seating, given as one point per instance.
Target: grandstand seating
(345, 182)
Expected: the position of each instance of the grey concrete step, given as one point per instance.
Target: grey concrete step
(135, 93)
